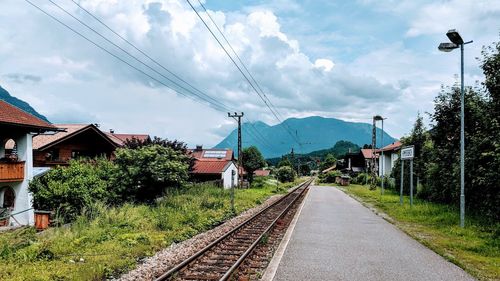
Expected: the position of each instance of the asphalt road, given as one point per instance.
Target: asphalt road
(337, 238)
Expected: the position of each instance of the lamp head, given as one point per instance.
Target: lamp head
(447, 47)
(455, 37)
(378, 118)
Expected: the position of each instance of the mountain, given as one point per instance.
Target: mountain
(314, 133)
(5, 96)
(339, 150)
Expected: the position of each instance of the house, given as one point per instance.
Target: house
(215, 165)
(77, 140)
(17, 128)
(391, 154)
(359, 162)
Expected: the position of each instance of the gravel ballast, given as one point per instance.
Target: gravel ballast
(167, 258)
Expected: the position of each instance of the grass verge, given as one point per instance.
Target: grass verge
(475, 248)
(107, 241)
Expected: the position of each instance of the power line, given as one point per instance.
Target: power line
(238, 57)
(242, 63)
(257, 135)
(205, 97)
(142, 52)
(107, 51)
(218, 105)
(239, 68)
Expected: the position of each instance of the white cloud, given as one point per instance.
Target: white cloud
(325, 64)
(80, 82)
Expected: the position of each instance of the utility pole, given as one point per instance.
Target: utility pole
(237, 117)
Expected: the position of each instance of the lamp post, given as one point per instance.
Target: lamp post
(380, 118)
(457, 41)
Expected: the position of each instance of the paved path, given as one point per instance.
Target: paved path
(337, 238)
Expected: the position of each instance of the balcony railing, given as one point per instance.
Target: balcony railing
(11, 171)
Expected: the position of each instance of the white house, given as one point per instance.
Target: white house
(215, 165)
(17, 128)
(391, 154)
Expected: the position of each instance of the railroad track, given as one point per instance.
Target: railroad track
(222, 258)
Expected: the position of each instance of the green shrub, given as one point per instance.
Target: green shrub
(69, 190)
(330, 176)
(285, 174)
(143, 174)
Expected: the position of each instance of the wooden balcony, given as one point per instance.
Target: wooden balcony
(11, 171)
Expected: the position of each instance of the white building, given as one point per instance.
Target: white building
(391, 154)
(214, 165)
(17, 128)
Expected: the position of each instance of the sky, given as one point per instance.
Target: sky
(344, 59)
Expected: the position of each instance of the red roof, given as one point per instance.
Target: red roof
(12, 115)
(209, 167)
(210, 161)
(393, 146)
(368, 153)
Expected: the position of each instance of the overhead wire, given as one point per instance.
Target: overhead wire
(205, 97)
(240, 70)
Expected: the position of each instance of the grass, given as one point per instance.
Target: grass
(107, 241)
(475, 248)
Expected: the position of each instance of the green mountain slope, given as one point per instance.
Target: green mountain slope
(5, 96)
(314, 133)
(339, 150)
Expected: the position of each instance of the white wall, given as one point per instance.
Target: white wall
(23, 196)
(23, 199)
(389, 159)
(226, 176)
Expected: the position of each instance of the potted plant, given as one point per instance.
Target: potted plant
(4, 216)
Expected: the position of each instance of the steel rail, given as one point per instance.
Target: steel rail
(237, 264)
(187, 261)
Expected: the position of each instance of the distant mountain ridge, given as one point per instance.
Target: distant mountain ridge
(6, 96)
(314, 133)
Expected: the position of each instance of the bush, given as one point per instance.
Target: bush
(361, 178)
(69, 190)
(143, 174)
(330, 176)
(285, 174)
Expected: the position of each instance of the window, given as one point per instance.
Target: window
(52, 155)
(10, 147)
(9, 197)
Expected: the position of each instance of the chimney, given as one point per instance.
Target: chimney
(199, 147)
(349, 150)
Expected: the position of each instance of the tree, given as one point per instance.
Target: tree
(285, 174)
(137, 143)
(252, 161)
(420, 139)
(284, 162)
(328, 162)
(144, 173)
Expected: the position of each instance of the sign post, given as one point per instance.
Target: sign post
(407, 153)
(233, 173)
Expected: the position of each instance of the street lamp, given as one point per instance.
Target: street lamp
(457, 41)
